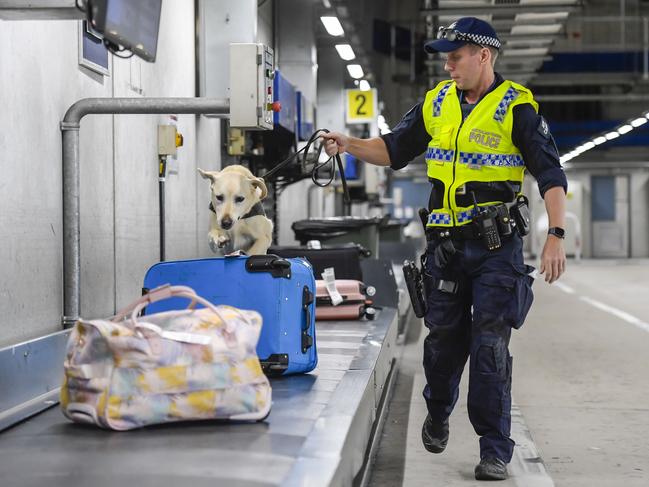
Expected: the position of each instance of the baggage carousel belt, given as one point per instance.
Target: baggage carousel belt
(316, 434)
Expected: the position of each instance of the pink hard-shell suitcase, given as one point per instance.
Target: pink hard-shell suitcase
(356, 300)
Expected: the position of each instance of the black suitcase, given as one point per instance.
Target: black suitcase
(345, 259)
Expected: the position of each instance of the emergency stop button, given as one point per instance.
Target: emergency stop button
(275, 106)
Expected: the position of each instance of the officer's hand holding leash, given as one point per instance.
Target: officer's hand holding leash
(335, 143)
(553, 257)
(372, 150)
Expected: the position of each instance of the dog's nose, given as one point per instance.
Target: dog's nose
(226, 223)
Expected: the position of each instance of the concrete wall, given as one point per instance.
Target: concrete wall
(39, 79)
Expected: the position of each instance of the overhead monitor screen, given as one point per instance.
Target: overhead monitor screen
(133, 25)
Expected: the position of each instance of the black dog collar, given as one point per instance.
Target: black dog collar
(257, 209)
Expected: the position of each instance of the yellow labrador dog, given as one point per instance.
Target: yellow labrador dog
(238, 220)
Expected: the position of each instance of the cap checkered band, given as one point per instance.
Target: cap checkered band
(480, 39)
(438, 218)
(437, 102)
(453, 35)
(465, 216)
(509, 97)
(478, 159)
(440, 154)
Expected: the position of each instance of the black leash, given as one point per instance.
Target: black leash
(335, 159)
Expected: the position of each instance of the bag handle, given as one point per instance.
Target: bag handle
(168, 291)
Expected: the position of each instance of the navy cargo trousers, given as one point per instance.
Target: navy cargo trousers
(494, 295)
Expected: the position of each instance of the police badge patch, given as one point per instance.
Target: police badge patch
(544, 129)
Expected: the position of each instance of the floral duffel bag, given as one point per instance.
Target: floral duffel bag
(192, 364)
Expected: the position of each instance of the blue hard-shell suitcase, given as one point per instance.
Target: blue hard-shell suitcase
(281, 290)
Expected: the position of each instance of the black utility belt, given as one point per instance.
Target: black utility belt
(491, 224)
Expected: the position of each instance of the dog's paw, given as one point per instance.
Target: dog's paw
(217, 243)
(222, 241)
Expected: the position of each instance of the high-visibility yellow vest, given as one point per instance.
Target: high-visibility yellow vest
(478, 149)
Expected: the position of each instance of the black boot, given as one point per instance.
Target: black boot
(434, 435)
(491, 469)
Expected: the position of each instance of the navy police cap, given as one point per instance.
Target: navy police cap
(467, 30)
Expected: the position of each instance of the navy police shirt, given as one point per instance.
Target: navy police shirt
(530, 133)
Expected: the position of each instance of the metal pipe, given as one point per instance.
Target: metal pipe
(309, 205)
(161, 197)
(162, 173)
(71, 163)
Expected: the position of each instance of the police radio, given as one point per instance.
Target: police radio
(487, 221)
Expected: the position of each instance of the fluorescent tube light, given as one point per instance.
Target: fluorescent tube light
(345, 51)
(588, 146)
(364, 85)
(537, 29)
(599, 140)
(612, 135)
(624, 129)
(541, 16)
(332, 24)
(639, 121)
(526, 52)
(355, 71)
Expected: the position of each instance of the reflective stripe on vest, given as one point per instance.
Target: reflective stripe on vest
(478, 149)
(481, 159)
(501, 111)
(436, 218)
(437, 103)
(440, 154)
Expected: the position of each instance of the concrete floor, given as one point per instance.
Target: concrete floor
(581, 369)
(581, 374)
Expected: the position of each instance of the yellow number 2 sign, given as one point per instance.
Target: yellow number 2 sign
(361, 106)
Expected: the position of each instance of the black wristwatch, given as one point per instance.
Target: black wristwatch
(557, 232)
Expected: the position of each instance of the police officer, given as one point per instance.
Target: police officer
(479, 132)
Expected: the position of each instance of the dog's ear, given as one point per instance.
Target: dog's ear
(259, 183)
(207, 174)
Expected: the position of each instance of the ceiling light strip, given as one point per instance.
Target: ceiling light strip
(603, 138)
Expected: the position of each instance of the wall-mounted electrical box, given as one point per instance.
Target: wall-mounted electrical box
(251, 86)
(236, 142)
(168, 140)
